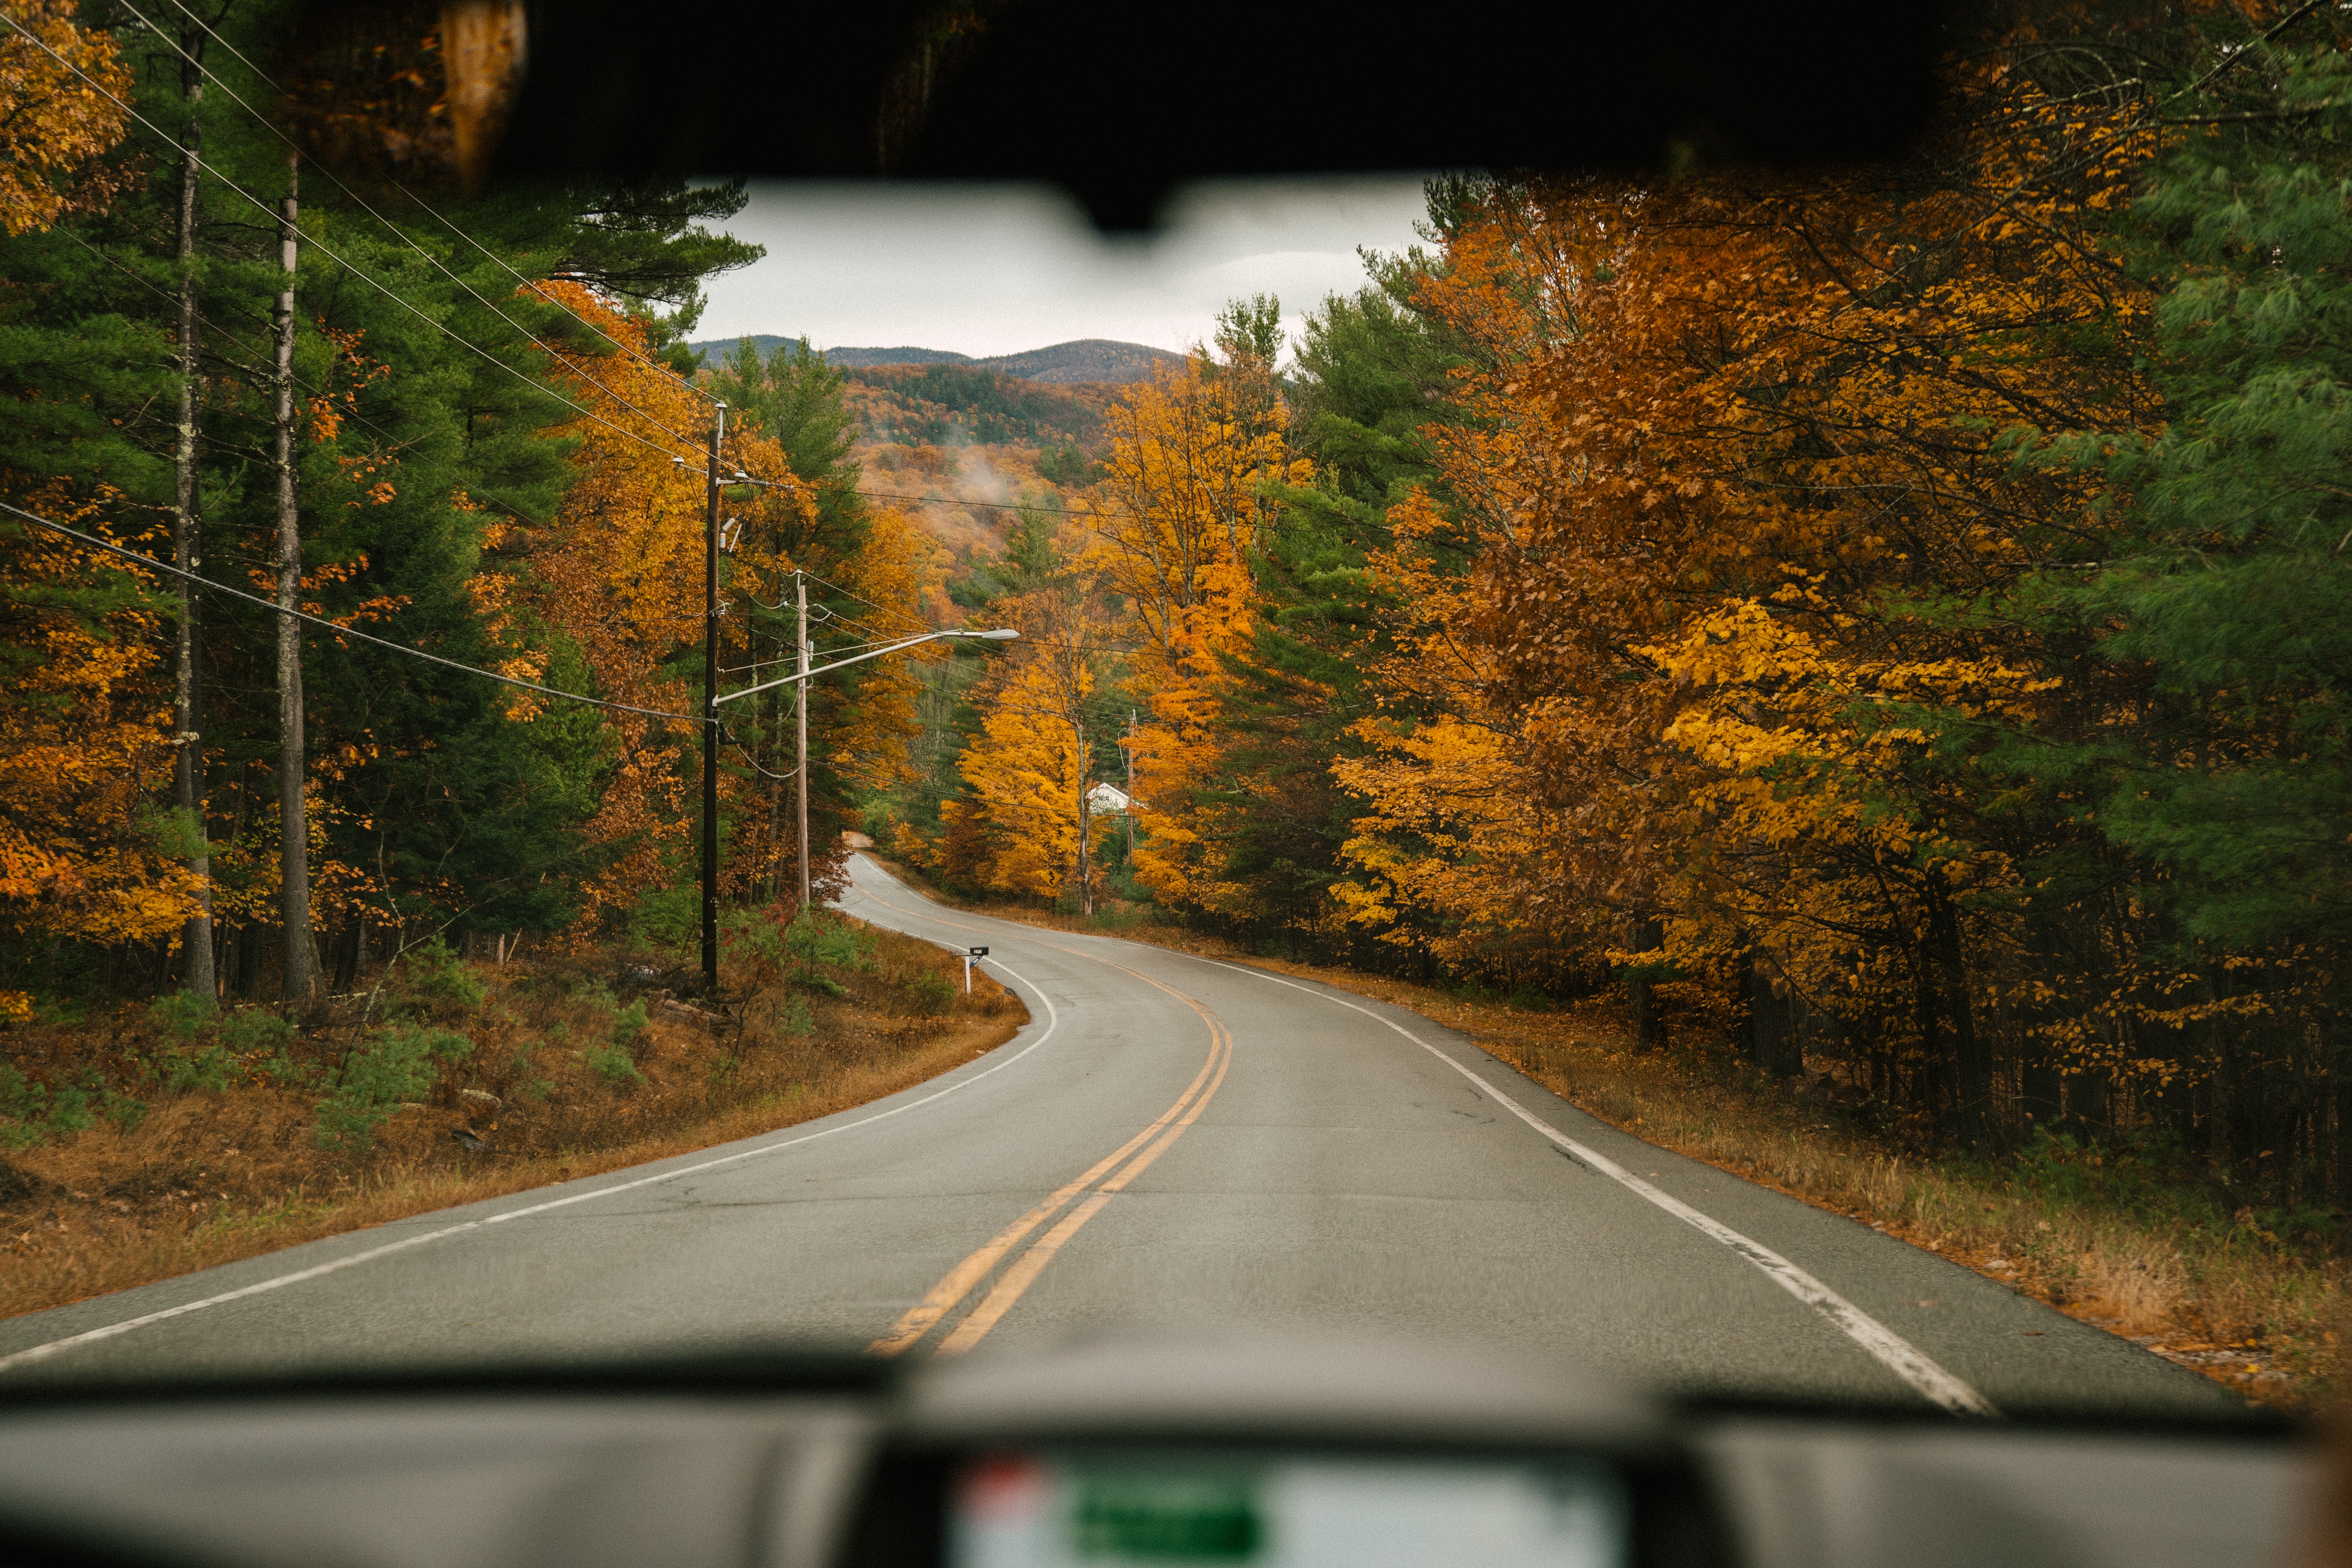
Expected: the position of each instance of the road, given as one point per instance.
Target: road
(1169, 1140)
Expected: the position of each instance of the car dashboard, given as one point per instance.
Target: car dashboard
(1308, 1455)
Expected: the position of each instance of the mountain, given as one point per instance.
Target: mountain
(1087, 359)
(1096, 360)
(864, 359)
(710, 349)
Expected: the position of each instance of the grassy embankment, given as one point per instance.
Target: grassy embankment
(209, 1140)
(2112, 1237)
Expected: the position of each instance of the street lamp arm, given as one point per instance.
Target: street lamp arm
(998, 634)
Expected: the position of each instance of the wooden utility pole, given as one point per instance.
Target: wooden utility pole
(710, 705)
(800, 722)
(293, 828)
(196, 974)
(1130, 813)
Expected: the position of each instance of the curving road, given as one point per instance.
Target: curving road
(1171, 1140)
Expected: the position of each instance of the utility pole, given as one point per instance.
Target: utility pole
(1130, 814)
(800, 721)
(188, 777)
(711, 706)
(293, 828)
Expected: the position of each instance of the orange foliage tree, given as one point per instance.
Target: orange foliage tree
(618, 575)
(1739, 631)
(1189, 495)
(58, 120)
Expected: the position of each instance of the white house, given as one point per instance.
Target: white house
(1103, 800)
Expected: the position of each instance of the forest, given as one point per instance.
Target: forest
(1884, 623)
(242, 380)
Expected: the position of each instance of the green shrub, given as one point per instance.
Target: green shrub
(931, 994)
(612, 1062)
(438, 982)
(31, 1113)
(217, 1044)
(526, 1086)
(257, 1032)
(403, 1064)
(184, 1014)
(205, 1067)
(799, 951)
(615, 1060)
(796, 1018)
(250, 1030)
(125, 1113)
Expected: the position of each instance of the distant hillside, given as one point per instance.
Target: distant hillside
(965, 404)
(865, 359)
(711, 351)
(1098, 360)
(1089, 359)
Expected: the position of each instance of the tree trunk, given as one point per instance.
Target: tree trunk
(349, 947)
(1772, 1042)
(1971, 1063)
(293, 827)
(2340, 1094)
(1649, 1028)
(197, 974)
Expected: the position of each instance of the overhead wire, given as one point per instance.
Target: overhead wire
(393, 229)
(530, 283)
(311, 387)
(332, 255)
(429, 465)
(688, 442)
(92, 541)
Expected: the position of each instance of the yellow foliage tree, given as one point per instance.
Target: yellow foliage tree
(620, 571)
(56, 116)
(85, 735)
(1186, 507)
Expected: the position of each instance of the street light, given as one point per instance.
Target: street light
(713, 483)
(994, 634)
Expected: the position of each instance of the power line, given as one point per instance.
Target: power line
(902, 615)
(404, 239)
(431, 464)
(532, 284)
(92, 541)
(317, 244)
(393, 229)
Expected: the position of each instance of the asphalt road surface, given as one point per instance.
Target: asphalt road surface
(1171, 1140)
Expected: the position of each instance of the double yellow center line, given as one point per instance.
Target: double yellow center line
(1089, 1191)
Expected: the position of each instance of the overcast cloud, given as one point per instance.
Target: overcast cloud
(997, 270)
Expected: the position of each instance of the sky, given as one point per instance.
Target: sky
(1000, 269)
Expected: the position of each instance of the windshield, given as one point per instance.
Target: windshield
(1731, 771)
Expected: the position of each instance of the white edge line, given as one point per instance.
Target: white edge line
(1898, 1354)
(38, 1353)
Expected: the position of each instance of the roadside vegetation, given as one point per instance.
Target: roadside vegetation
(164, 1137)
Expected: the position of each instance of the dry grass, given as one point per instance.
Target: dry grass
(2083, 1232)
(209, 1177)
